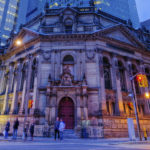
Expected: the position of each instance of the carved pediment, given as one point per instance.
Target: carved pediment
(122, 34)
(69, 11)
(117, 35)
(25, 35)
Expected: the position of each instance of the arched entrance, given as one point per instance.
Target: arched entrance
(66, 112)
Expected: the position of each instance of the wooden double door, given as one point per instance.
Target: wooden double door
(66, 112)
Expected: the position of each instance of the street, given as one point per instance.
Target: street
(73, 144)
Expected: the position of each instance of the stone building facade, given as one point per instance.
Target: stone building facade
(75, 63)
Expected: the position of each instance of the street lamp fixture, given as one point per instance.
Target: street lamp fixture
(147, 95)
(18, 42)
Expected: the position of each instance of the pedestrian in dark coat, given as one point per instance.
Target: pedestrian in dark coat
(56, 127)
(7, 129)
(32, 131)
(15, 128)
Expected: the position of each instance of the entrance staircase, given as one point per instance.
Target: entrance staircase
(70, 134)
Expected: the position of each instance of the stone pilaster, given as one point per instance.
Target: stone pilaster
(78, 106)
(117, 87)
(53, 105)
(102, 94)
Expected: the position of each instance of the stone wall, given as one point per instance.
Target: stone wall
(118, 127)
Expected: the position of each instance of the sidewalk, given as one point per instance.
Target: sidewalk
(112, 141)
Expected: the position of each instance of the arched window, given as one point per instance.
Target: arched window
(107, 73)
(23, 77)
(33, 74)
(122, 76)
(135, 71)
(68, 64)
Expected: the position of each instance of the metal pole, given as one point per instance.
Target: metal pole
(26, 99)
(135, 108)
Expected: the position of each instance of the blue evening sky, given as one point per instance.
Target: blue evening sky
(143, 7)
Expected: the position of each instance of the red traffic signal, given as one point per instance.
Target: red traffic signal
(139, 77)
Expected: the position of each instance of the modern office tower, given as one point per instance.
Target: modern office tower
(11, 16)
(124, 9)
(35, 7)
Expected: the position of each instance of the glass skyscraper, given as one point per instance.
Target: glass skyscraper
(124, 9)
(11, 16)
(35, 7)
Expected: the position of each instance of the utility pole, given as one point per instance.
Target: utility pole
(134, 99)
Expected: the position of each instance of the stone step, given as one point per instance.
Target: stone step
(70, 134)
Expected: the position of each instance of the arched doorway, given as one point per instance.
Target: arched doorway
(66, 112)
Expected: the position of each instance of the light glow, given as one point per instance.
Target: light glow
(18, 42)
(147, 95)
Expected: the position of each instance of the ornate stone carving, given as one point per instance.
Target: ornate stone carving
(90, 54)
(47, 55)
(66, 78)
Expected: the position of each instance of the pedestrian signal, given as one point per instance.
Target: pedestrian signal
(30, 103)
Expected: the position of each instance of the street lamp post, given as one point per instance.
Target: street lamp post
(134, 99)
(19, 43)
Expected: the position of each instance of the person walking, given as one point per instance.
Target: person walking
(7, 129)
(61, 128)
(26, 128)
(15, 128)
(32, 131)
(56, 128)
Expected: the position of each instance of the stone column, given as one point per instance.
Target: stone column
(14, 106)
(23, 98)
(116, 79)
(2, 79)
(36, 85)
(102, 94)
(7, 77)
(127, 75)
(28, 80)
(26, 85)
(5, 106)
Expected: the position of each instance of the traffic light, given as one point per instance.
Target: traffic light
(130, 106)
(139, 78)
(142, 80)
(30, 103)
(145, 81)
